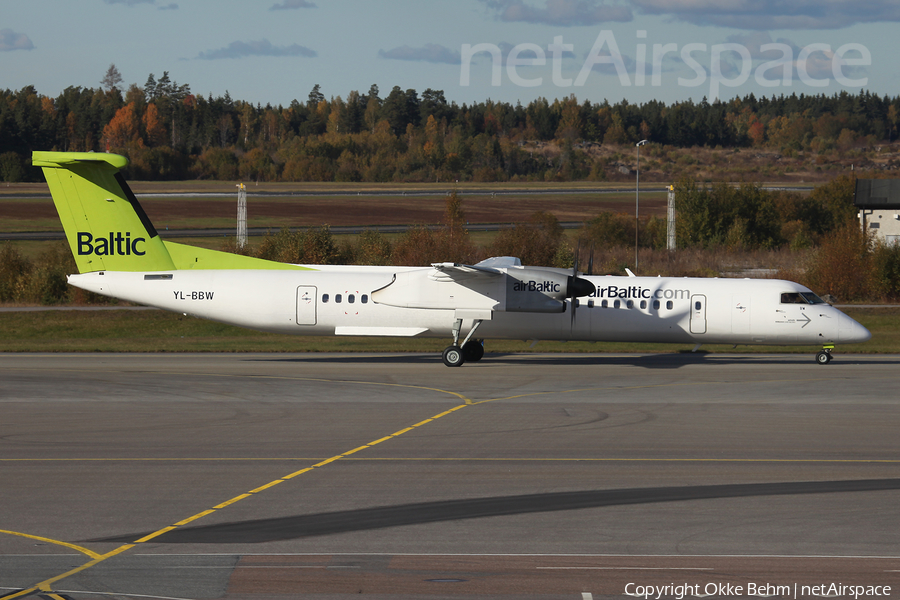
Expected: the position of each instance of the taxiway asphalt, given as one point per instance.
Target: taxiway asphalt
(390, 475)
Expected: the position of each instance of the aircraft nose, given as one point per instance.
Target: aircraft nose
(850, 331)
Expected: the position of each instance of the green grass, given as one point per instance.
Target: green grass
(159, 331)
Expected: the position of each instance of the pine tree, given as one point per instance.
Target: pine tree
(112, 79)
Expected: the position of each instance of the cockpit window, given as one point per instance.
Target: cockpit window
(800, 298)
(812, 298)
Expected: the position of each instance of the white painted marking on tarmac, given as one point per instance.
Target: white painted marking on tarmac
(636, 568)
(116, 594)
(210, 567)
(298, 567)
(587, 596)
(565, 555)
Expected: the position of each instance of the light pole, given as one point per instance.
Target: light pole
(637, 194)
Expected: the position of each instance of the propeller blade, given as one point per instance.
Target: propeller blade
(591, 261)
(573, 298)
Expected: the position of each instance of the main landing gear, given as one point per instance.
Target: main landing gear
(469, 351)
(824, 356)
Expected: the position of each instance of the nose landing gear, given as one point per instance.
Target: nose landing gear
(824, 356)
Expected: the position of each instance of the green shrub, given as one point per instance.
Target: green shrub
(372, 248)
(536, 242)
(14, 272)
(46, 284)
(886, 269)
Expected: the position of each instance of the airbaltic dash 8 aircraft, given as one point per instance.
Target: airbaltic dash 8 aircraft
(120, 254)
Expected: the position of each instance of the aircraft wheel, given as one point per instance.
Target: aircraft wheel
(473, 351)
(823, 358)
(453, 356)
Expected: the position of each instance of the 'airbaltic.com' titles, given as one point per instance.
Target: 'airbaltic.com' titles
(637, 292)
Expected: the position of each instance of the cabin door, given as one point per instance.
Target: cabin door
(698, 313)
(306, 305)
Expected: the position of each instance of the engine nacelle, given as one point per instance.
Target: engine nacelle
(542, 290)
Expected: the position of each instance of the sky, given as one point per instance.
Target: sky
(275, 51)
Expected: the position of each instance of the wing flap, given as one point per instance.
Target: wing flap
(381, 331)
(456, 272)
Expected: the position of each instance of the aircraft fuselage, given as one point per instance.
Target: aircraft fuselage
(339, 301)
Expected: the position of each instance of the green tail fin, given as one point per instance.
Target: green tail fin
(109, 231)
(105, 225)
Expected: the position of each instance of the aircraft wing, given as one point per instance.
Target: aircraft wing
(456, 272)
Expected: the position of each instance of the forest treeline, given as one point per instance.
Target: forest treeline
(170, 133)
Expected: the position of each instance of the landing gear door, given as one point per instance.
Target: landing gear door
(306, 305)
(698, 313)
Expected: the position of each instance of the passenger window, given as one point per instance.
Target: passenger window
(656, 305)
(629, 304)
(590, 304)
(364, 299)
(669, 305)
(324, 298)
(604, 304)
(351, 298)
(697, 305)
(617, 304)
(643, 304)
(337, 298)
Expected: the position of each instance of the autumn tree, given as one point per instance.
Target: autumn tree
(153, 126)
(123, 128)
(842, 265)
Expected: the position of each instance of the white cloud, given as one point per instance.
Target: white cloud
(784, 55)
(256, 48)
(774, 14)
(130, 2)
(564, 13)
(292, 4)
(10, 40)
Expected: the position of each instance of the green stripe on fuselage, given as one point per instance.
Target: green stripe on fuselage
(191, 257)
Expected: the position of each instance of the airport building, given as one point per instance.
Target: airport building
(878, 202)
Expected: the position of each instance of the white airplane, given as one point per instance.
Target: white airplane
(120, 254)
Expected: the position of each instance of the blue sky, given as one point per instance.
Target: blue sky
(272, 51)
